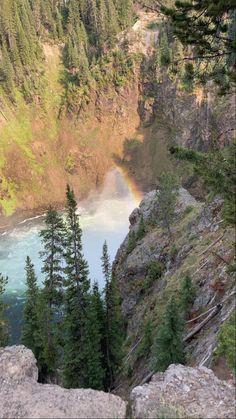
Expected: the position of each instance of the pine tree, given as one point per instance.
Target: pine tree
(51, 296)
(113, 322)
(168, 346)
(125, 11)
(141, 229)
(30, 329)
(53, 241)
(93, 356)
(112, 23)
(3, 323)
(131, 242)
(7, 72)
(47, 339)
(147, 341)
(206, 27)
(187, 294)
(167, 197)
(165, 57)
(76, 299)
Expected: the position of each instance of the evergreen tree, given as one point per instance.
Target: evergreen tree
(147, 341)
(206, 27)
(93, 341)
(3, 322)
(187, 293)
(112, 23)
(167, 196)
(53, 241)
(131, 242)
(125, 12)
(51, 296)
(141, 229)
(76, 300)
(47, 338)
(165, 58)
(168, 345)
(30, 330)
(113, 322)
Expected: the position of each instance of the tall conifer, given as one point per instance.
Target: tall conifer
(3, 322)
(30, 328)
(113, 322)
(76, 299)
(168, 346)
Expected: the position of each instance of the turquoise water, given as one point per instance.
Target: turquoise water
(103, 216)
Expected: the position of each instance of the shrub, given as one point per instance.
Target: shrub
(155, 270)
(188, 209)
(173, 251)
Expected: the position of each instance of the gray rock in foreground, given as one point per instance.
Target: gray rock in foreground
(184, 392)
(22, 397)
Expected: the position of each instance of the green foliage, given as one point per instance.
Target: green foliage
(173, 251)
(131, 242)
(85, 30)
(31, 326)
(3, 321)
(48, 355)
(146, 344)
(141, 229)
(154, 271)
(188, 209)
(50, 300)
(53, 241)
(209, 30)
(187, 294)
(188, 76)
(165, 57)
(167, 197)
(226, 342)
(76, 300)
(113, 325)
(168, 345)
(92, 345)
(218, 171)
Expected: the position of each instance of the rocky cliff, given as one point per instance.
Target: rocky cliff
(184, 392)
(201, 246)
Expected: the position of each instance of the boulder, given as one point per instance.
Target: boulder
(184, 392)
(22, 397)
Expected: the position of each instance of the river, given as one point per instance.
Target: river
(103, 216)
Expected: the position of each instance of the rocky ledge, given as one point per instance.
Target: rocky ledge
(180, 392)
(22, 397)
(184, 392)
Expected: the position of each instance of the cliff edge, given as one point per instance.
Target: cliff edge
(22, 397)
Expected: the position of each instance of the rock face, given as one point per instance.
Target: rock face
(201, 246)
(22, 397)
(184, 392)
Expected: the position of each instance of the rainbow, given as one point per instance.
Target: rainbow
(133, 188)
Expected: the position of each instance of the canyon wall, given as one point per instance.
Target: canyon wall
(43, 146)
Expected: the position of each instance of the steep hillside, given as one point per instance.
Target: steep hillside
(151, 270)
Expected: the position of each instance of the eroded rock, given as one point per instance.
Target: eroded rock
(184, 392)
(22, 397)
